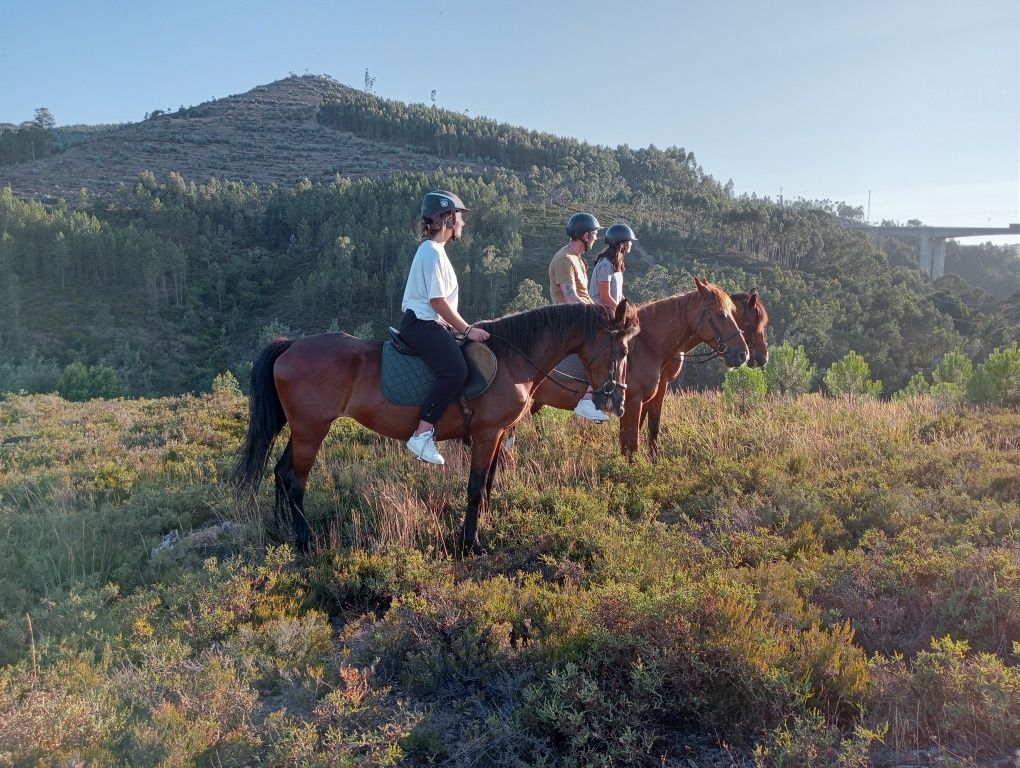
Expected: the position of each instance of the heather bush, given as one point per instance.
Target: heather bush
(947, 695)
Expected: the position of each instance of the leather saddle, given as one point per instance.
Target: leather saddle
(406, 378)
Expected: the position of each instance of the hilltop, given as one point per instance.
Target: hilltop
(268, 135)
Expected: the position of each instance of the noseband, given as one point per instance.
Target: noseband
(720, 347)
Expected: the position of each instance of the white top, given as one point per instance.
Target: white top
(431, 277)
(603, 273)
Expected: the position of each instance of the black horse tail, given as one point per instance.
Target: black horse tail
(265, 420)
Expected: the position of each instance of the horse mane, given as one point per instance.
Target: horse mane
(721, 297)
(524, 330)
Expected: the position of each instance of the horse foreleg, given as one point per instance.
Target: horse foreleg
(653, 410)
(492, 473)
(630, 424)
(483, 453)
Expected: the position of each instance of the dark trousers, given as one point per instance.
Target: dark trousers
(440, 351)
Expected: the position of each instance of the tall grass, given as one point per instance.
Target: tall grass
(808, 582)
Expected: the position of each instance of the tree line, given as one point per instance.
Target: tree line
(171, 282)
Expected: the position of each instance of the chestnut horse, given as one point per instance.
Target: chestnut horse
(751, 316)
(311, 381)
(670, 327)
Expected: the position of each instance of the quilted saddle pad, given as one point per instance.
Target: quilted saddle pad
(406, 379)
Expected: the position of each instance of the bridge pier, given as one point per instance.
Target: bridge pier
(933, 256)
(926, 254)
(938, 263)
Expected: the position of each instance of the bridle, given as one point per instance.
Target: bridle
(719, 349)
(613, 383)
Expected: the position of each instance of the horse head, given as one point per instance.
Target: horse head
(604, 356)
(752, 319)
(716, 325)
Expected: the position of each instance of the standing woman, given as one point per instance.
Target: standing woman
(430, 316)
(606, 285)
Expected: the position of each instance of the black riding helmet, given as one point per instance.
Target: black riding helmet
(619, 233)
(440, 201)
(580, 223)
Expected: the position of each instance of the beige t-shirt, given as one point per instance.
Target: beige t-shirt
(567, 267)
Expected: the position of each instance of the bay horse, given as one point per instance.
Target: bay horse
(670, 327)
(311, 381)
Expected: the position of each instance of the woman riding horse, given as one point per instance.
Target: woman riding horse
(311, 381)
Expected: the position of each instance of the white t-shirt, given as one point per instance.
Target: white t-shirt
(431, 277)
(603, 273)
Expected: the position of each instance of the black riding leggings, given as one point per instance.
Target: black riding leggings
(440, 351)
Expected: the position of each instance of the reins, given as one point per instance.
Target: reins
(548, 375)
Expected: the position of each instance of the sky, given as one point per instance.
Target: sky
(913, 104)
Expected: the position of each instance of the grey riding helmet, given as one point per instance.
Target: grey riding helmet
(619, 233)
(440, 201)
(580, 223)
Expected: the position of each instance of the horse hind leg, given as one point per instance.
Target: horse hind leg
(305, 442)
(290, 498)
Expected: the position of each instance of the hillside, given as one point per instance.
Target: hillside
(818, 584)
(182, 272)
(268, 135)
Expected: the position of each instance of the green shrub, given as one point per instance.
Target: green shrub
(983, 387)
(1003, 366)
(31, 375)
(954, 369)
(789, 371)
(744, 388)
(226, 383)
(851, 378)
(918, 385)
(81, 382)
(967, 702)
(808, 740)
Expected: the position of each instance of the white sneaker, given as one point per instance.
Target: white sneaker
(586, 410)
(423, 446)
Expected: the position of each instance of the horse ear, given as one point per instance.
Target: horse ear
(702, 285)
(621, 311)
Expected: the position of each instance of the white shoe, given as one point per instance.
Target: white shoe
(586, 410)
(423, 446)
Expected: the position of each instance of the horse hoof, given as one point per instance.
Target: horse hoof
(474, 549)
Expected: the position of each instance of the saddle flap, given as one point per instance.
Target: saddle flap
(399, 344)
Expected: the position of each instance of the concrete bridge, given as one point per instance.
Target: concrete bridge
(932, 240)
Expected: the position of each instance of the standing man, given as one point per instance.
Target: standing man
(568, 274)
(568, 284)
